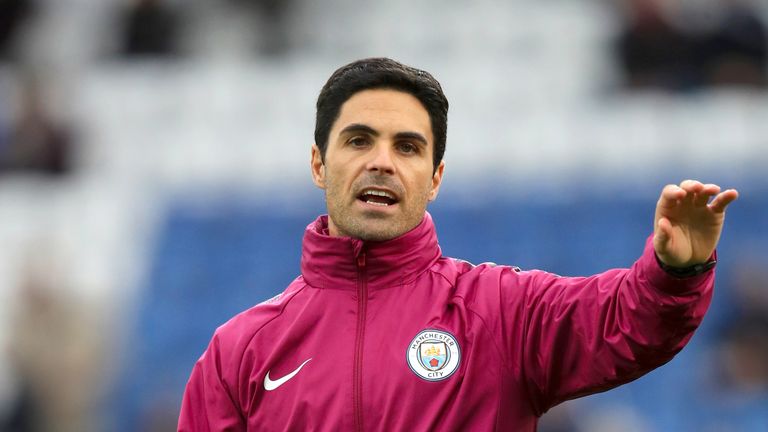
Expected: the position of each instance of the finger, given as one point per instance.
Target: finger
(711, 189)
(663, 234)
(671, 195)
(705, 194)
(663, 231)
(692, 186)
(722, 200)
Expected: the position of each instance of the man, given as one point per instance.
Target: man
(381, 332)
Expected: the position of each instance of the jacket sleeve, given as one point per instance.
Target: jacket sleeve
(589, 334)
(208, 404)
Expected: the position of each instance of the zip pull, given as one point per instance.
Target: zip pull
(361, 260)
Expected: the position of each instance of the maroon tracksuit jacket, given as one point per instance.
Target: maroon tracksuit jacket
(393, 336)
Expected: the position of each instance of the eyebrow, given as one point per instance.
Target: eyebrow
(359, 128)
(362, 128)
(411, 136)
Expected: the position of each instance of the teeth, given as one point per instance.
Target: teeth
(378, 193)
(377, 203)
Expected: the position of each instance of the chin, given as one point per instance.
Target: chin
(373, 226)
(372, 234)
(377, 230)
(378, 236)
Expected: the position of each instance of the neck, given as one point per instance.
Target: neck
(331, 261)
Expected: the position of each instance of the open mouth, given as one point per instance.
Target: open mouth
(377, 197)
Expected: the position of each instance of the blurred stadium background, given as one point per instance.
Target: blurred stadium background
(154, 179)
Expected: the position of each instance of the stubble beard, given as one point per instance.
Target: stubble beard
(371, 225)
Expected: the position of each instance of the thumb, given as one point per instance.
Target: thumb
(662, 235)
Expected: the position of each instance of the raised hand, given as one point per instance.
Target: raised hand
(687, 225)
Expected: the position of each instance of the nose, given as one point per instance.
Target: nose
(381, 160)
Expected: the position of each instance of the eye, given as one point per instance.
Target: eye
(358, 141)
(407, 147)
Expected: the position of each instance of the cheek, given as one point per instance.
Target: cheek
(421, 187)
(335, 180)
(427, 179)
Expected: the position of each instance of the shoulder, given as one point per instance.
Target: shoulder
(470, 280)
(233, 337)
(456, 269)
(489, 284)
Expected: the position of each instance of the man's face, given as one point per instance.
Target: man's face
(378, 172)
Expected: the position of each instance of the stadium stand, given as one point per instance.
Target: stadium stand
(191, 186)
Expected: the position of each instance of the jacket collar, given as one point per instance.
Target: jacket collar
(334, 262)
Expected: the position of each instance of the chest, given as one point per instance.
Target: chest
(398, 359)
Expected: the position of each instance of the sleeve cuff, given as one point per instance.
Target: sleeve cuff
(668, 282)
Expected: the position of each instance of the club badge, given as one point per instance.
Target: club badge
(434, 355)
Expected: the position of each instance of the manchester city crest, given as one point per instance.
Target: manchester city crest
(434, 355)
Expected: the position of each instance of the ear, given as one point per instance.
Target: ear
(437, 179)
(318, 167)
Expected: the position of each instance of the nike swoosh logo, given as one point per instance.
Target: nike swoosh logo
(270, 385)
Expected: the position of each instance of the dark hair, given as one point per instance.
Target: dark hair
(376, 73)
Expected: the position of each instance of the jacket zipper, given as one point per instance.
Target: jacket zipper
(362, 293)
